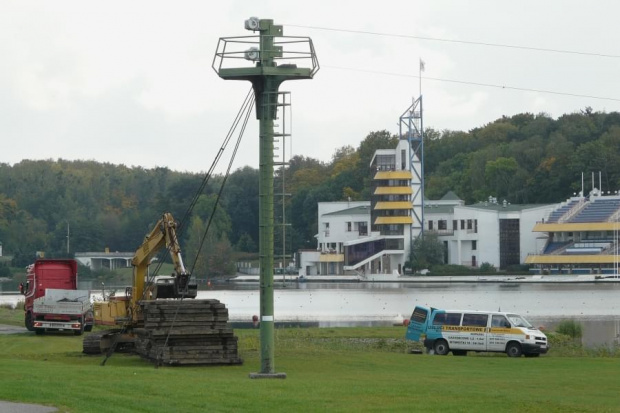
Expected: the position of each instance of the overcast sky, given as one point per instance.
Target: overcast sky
(130, 82)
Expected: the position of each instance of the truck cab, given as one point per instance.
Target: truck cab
(52, 300)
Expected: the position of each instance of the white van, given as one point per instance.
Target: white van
(461, 331)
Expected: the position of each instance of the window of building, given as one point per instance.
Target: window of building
(469, 224)
(385, 162)
(348, 226)
(474, 245)
(462, 224)
(430, 225)
(455, 225)
(362, 227)
(509, 243)
(442, 224)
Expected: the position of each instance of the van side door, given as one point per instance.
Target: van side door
(417, 323)
(499, 333)
(474, 330)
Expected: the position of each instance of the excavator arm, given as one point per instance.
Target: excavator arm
(163, 235)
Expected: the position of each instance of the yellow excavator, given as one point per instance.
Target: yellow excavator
(125, 310)
(152, 318)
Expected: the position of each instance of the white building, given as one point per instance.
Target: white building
(498, 233)
(105, 260)
(489, 232)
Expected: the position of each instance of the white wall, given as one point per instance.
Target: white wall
(533, 242)
(338, 223)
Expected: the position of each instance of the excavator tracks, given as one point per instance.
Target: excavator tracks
(99, 341)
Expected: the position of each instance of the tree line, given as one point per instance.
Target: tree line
(525, 158)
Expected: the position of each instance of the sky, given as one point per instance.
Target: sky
(131, 82)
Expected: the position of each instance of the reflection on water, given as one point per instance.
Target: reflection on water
(595, 306)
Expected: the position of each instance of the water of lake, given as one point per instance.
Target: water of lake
(595, 306)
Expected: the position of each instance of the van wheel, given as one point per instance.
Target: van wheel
(441, 347)
(513, 349)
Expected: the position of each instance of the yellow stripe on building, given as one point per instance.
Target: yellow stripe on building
(571, 259)
(393, 220)
(393, 190)
(394, 205)
(331, 258)
(577, 226)
(393, 175)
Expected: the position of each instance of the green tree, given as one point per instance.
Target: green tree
(501, 175)
(427, 251)
(246, 243)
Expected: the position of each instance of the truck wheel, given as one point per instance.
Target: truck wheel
(89, 327)
(81, 330)
(28, 322)
(441, 347)
(513, 349)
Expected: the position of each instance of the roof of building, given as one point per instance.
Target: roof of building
(450, 196)
(492, 206)
(359, 210)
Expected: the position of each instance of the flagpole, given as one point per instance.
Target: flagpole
(420, 77)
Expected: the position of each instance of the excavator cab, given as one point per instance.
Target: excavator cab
(173, 286)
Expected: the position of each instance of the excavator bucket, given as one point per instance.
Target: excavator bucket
(170, 288)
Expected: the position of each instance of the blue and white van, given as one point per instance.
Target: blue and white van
(460, 331)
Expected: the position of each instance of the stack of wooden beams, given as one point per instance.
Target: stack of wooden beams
(188, 332)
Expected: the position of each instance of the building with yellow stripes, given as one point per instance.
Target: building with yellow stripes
(582, 237)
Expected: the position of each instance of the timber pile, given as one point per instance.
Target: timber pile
(192, 332)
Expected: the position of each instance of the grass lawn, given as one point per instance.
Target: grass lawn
(331, 369)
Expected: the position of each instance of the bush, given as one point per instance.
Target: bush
(570, 328)
(488, 268)
(450, 270)
(518, 269)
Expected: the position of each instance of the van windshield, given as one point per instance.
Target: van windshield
(518, 321)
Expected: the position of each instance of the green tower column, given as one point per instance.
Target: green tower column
(266, 108)
(266, 77)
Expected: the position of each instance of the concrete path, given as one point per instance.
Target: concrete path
(6, 329)
(9, 407)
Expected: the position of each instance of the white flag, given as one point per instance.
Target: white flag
(422, 65)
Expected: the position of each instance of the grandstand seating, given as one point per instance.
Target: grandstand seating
(554, 246)
(557, 214)
(597, 211)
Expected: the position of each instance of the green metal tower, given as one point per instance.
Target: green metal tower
(266, 60)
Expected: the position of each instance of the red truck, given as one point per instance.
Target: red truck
(53, 301)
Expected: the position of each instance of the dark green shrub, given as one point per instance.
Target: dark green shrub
(570, 328)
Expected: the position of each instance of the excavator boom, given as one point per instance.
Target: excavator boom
(163, 235)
